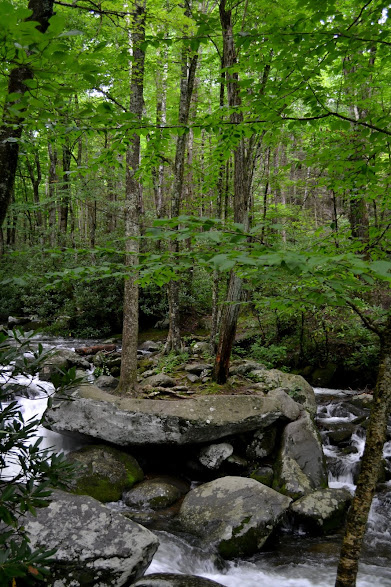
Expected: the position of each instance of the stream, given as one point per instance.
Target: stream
(289, 560)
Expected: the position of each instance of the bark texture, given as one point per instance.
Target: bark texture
(128, 375)
(370, 468)
(11, 125)
(242, 189)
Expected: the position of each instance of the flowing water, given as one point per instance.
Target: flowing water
(290, 560)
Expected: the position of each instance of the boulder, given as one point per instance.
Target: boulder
(150, 346)
(300, 464)
(262, 444)
(213, 455)
(240, 367)
(104, 472)
(198, 368)
(127, 421)
(322, 511)
(107, 382)
(159, 380)
(95, 545)
(294, 385)
(152, 494)
(172, 580)
(263, 475)
(60, 361)
(234, 514)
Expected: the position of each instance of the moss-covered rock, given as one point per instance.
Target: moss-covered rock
(153, 493)
(104, 472)
(233, 514)
(322, 511)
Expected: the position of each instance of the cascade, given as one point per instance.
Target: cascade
(282, 563)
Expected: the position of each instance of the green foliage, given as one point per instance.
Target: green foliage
(170, 362)
(27, 472)
(271, 356)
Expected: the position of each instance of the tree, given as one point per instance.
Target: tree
(12, 119)
(128, 377)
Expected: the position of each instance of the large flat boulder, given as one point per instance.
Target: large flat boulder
(95, 545)
(129, 421)
(234, 514)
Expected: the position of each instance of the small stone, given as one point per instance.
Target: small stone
(192, 377)
(213, 455)
(159, 380)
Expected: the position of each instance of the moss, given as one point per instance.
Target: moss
(244, 545)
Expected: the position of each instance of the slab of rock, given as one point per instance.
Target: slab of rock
(321, 511)
(234, 514)
(104, 472)
(159, 380)
(96, 547)
(129, 421)
(213, 455)
(173, 580)
(301, 464)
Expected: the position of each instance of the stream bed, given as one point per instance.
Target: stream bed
(289, 559)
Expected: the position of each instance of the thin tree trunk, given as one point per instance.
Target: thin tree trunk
(128, 376)
(189, 66)
(370, 467)
(52, 183)
(12, 124)
(241, 201)
(65, 190)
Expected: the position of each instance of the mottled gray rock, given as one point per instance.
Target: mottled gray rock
(244, 367)
(60, 361)
(159, 380)
(301, 464)
(106, 382)
(294, 385)
(150, 346)
(213, 455)
(262, 444)
(96, 547)
(155, 494)
(129, 421)
(192, 377)
(198, 368)
(321, 511)
(263, 475)
(104, 472)
(172, 580)
(201, 347)
(234, 514)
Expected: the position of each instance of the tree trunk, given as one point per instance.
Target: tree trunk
(241, 200)
(65, 190)
(370, 467)
(52, 182)
(12, 124)
(187, 83)
(128, 376)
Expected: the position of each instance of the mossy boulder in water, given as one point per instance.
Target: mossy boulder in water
(322, 511)
(154, 494)
(233, 514)
(104, 472)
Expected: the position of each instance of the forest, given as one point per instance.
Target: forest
(221, 168)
